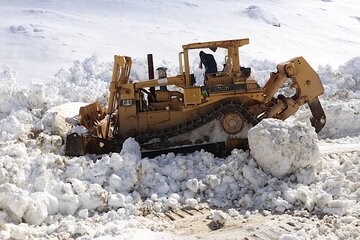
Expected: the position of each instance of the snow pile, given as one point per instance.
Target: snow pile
(25, 111)
(342, 119)
(281, 148)
(343, 82)
(351, 68)
(59, 193)
(341, 105)
(47, 184)
(58, 120)
(22, 110)
(33, 208)
(85, 81)
(15, 118)
(261, 70)
(10, 96)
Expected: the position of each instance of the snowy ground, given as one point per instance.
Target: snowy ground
(39, 37)
(44, 194)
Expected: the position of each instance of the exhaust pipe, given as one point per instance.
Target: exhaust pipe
(151, 72)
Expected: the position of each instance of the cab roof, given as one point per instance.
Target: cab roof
(216, 44)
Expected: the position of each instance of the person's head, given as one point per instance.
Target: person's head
(201, 53)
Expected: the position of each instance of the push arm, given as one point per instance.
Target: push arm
(307, 85)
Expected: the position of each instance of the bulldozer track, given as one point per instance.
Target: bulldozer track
(254, 228)
(183, 213)
(225, 107)
(197, 224)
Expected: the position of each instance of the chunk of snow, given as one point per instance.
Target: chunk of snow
(193, 185)
(13, 200)
(282, 148)
(219, 218)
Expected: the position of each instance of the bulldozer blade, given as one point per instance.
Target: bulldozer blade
(81, 144)
(318, 119)
(75, 145)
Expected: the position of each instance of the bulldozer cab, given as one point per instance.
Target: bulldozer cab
(232, 72)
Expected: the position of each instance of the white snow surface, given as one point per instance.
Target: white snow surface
(39, 37)
(281, 148)
(44, 194)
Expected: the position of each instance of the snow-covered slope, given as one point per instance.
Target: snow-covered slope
(44, 194)
(39, 37)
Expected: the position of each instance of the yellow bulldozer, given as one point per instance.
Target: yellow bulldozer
(172, 114)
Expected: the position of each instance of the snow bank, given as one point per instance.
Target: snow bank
(10, 95)
(25, 111)
(281, 148)
(342, 119)
(342, 82)
(261, 70)
(47, 184)
(341, 105)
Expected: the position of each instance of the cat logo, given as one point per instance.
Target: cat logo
(127, 102)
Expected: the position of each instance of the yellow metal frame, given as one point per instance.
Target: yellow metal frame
(232, 47)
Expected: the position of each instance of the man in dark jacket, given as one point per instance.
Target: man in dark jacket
(209, 62)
